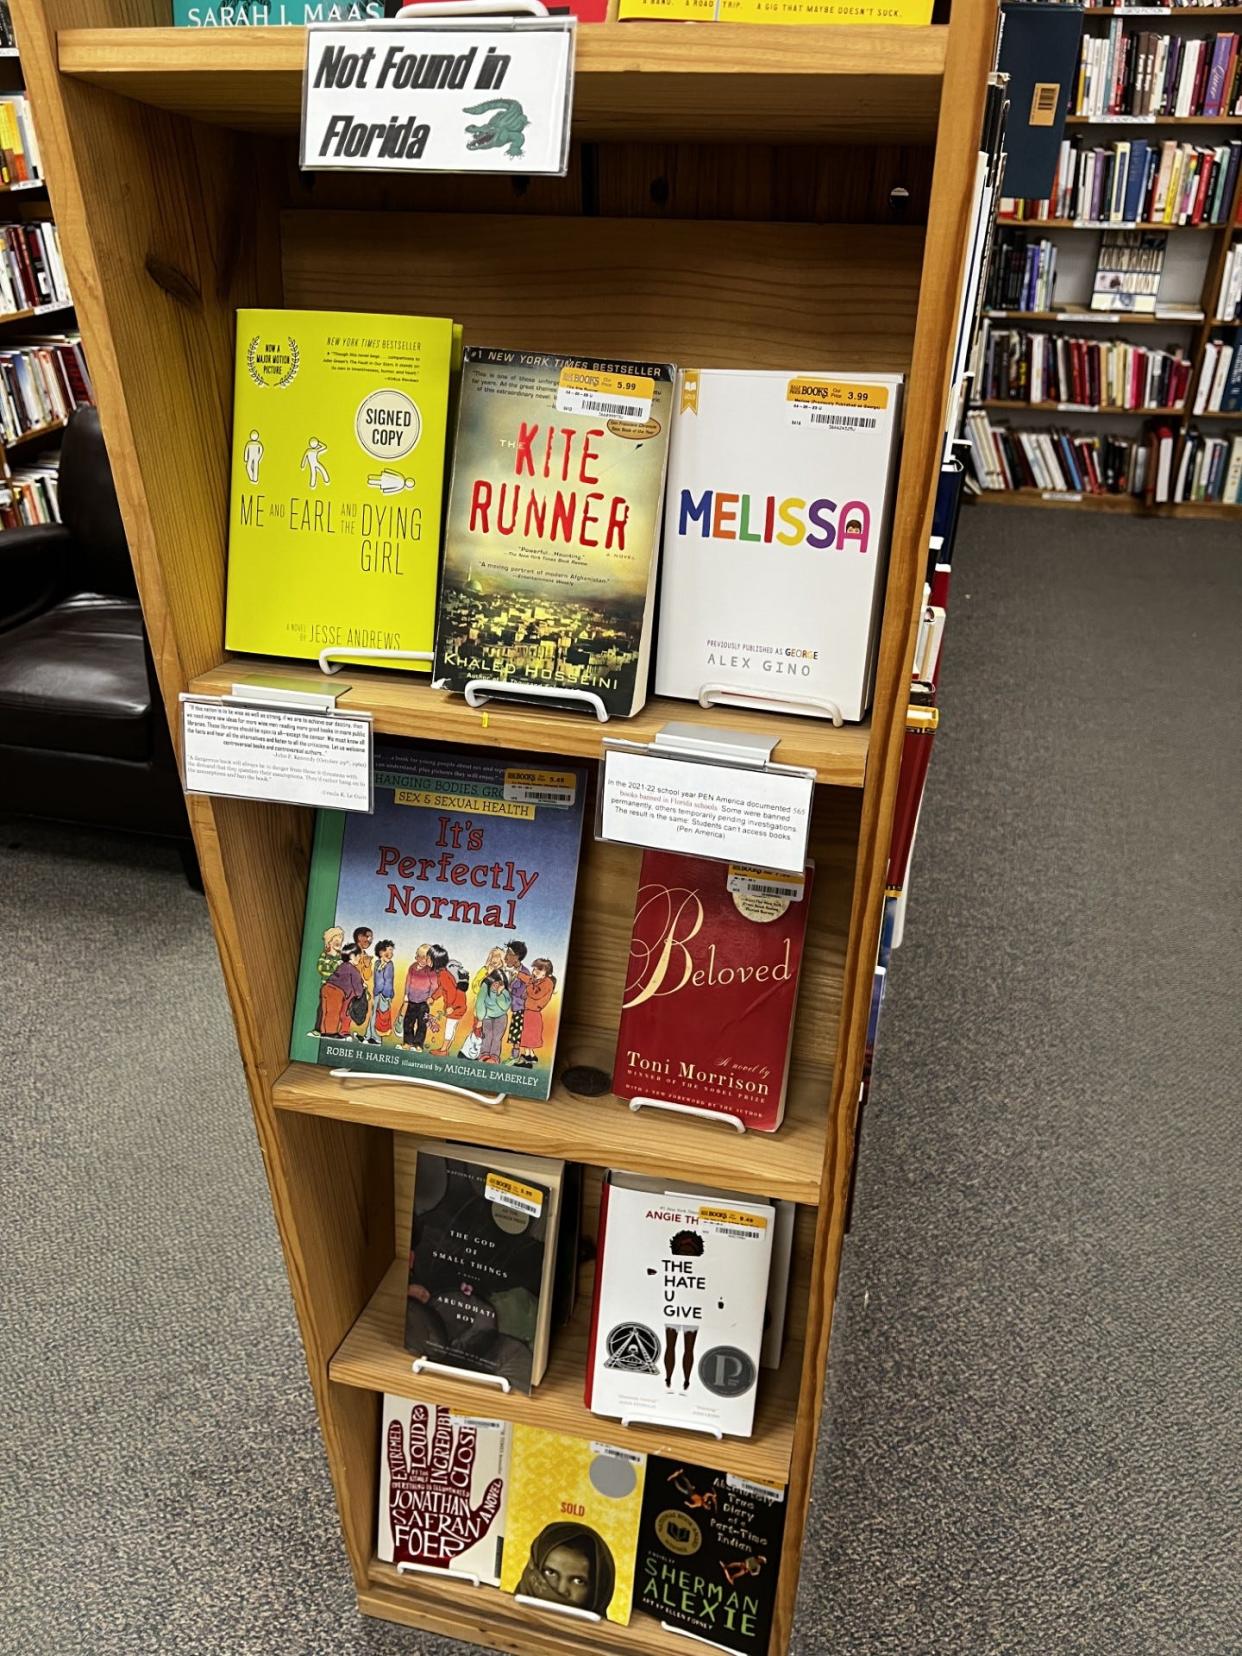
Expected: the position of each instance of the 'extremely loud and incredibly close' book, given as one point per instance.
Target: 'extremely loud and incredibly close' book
(709, 1553)
(776, 529)
(680, 1291)
(708, 1012)
(339, 423)
(437, 928)
(553, 524)
(571, 1529)
(483, 1245)
(442, 1481)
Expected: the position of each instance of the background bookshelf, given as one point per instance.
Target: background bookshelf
(738, 196)
(1190, 281)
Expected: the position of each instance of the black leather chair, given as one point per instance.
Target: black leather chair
(83, 736)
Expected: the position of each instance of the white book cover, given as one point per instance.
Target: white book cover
(443, 1484)
(677, 1324)
(776, 530)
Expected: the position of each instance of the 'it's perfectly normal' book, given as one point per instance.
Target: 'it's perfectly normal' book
(339, 424)
(437, 928)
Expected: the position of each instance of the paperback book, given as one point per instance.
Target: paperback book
(339, 423)
(554, 524)
(571, 1529)
(680, 1293)
(709, 1553)
(707, 1016)
(442, 1482)
(437, 928)
(1127, 271)
(776, 531)
(483, 1260)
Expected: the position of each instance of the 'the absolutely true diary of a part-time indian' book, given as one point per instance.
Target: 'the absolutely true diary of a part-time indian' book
(553, 524)
(339, 425)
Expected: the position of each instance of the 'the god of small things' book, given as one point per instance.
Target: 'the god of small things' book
(776, 529)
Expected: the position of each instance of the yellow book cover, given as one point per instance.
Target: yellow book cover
(826, 11)
(339, 423)
(667, 11)
(571, 1526)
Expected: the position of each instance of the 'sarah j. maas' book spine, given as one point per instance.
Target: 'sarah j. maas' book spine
(553, 524)
(712, 986)
(709, 1552)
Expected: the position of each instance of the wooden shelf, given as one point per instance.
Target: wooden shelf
(23, 184)
(404, 704)
(373, 1357)
(36, 310)
(1067, 408)
(645, 81)
(30, 436)
(1218, 414)
(1102, 224)
(1162, 11)
(1127, 505)
(1108, 318)
(1154, 120)
(452, 1606)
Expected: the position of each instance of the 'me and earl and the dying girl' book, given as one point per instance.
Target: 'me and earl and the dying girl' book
(553, 524)
(776, 530)
(437, 928)
(708, 1011)
(339, 426)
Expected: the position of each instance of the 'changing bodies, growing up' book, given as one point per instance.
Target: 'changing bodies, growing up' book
(437, 929)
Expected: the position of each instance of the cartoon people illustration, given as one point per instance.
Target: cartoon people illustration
(326, 965)
(448, 1002)
(495, 959)
(519, 978)
(339, 995)
(252, 454)
(539, 992)
(492, 1007)
(365, 963)
(381, 992)
(311, 461)
(420, 984)
(570, 1564)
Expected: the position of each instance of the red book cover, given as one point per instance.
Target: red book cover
(711, 987)
(921, 723)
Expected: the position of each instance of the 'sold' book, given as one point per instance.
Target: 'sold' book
(442, 1482)
(339, 424)
(571, 1530)
(712, 984)
(776, 530)
(553, 524)
(437, 928)
(709, 1553)
(482, 1260)
(681, 1285)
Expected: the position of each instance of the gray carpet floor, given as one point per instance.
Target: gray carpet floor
(1031, 1441)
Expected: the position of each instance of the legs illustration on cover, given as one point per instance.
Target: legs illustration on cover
(252, 454)
(310, 461)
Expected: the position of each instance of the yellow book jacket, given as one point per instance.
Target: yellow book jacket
(339, 423)
(571, 1524)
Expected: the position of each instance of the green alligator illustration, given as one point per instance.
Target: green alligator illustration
(503, 131)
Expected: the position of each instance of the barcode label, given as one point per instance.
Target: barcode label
(511, 1193)
(749, 1486)
(534, 787)
(762, 882)
(615, 408)
(843, 422)
(611, 396)
(613, 1453)
(1044, 103)
(478, 1422)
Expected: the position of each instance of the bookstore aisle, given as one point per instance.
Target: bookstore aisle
(1027, 1440)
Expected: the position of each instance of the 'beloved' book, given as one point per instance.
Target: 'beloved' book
(708, 1010)
(339, 425)
(776, 529)
(709, 1552)
(571, 1528)
(553, 524)
(437, 928)
(681, 1283)
(442, 1482)
(483, 1245)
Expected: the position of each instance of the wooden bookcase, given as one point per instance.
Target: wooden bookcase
(739, 196)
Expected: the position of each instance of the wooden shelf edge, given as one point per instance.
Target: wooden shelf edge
(373, 1358)
(1010, 407)
(404, 704)
(1125, 504)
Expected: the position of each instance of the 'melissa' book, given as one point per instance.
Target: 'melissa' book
(442, 1481)
(708, 1013)
(437, 928)
(553, 524)
(776, 529)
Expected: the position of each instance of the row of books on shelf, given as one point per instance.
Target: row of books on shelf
(589, 1528)
(1021, 365)
(8, 37)
(1140, 72)
(1160, 466)
(1134, 181)
(540, 567)
(1023, 272)
(1229, 300)
(1182, 6)
(437, 933)
(42, 381)
(198, 14)
(19, 146)
(32, 271)
(30, 494)
(1220, 378)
